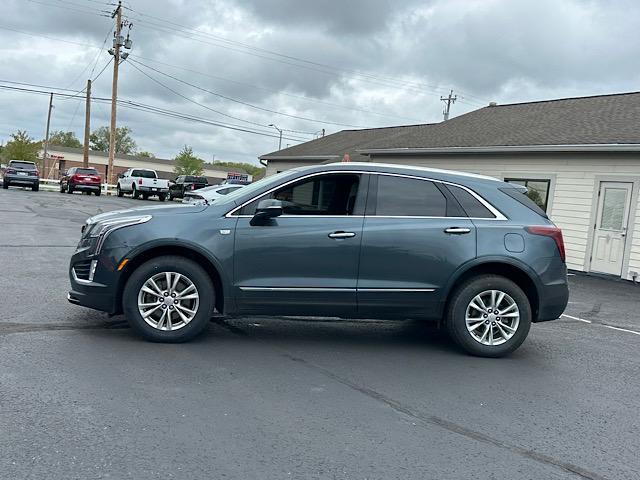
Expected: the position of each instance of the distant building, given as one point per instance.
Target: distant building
(59, 159)
(579, 157)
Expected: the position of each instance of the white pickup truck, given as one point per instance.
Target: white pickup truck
(140, 181)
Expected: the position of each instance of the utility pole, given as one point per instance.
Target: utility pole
(280, 132)
(448, 102)
(46, 135)
(87, 124)
(118, 41)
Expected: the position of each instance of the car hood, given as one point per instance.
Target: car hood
(160, 210)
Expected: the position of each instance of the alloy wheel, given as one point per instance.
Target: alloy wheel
(492, 317)
(168, 301)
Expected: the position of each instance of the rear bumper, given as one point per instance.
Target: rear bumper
(91, 187)
(21, 179)
(553, 301)
(152, 190)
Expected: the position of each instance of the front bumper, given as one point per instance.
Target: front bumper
(13, 179)
(98, 290)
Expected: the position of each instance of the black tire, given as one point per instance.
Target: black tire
(5, 184)
(119, 191)
(69, 188)
(98, 192)
(170, 197)
(145, 196)
(162, 197)
(61, 187)
(186, 267)
(460, 300)
(35, 187)
(134, 191)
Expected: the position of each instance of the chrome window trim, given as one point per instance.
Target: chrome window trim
(498, 215)
(332, 289)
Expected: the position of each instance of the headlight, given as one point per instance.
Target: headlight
(95, 233)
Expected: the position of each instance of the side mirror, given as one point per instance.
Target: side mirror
(267, 209)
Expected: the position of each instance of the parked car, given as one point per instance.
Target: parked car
(139, 181)
(186, 183)
(86, 180)
(209, 194)
(20, 173)
(351, 240)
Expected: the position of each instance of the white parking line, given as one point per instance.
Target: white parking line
(622, 329)
(606, 326)
(576, 318)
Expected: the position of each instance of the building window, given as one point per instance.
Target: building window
(537, 189)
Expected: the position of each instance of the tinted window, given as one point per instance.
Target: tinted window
(22, 165)
(470, 204)
(333, 194)
(144, 173)
(408, 196)
(87, 171)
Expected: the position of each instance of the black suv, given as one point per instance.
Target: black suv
(186, 183)
(20, 173)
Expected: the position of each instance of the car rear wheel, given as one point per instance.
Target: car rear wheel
(5, 184)
(169, 299)
(61, 187)
(35, 187)
(69, 188)
(134, 190)
(489, 316)
(162, 197)
(98, 193)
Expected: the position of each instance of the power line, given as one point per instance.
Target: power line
(86, 12)
(245, 103)
(153, 109)
(279, 92)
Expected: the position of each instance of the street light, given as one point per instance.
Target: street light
(280, 132)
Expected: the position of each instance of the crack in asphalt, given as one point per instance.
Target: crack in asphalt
(429, 420)
(14, 327)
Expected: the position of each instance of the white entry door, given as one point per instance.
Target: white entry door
(614, 203)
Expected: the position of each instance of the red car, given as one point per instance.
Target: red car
(81, 179)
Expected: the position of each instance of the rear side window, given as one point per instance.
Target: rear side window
(399, 196)
(470, 204)
(521, 196)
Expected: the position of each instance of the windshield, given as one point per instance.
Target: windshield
(255, 187)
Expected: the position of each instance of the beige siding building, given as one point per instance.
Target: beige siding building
(580, 159)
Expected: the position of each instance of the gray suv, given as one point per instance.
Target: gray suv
(351, 240)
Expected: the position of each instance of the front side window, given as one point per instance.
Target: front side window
(537, 189)
(400, 196)
(331, 194)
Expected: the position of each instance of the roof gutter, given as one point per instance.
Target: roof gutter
(609, 147)
(310, 158)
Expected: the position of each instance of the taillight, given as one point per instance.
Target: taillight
(553, 232)
(139, 181)
(193, 186)
(74, 177)
(9, 170)
(36, 173)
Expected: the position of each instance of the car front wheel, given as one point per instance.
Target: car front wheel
(489, 316)
(169, 299)
(119, 191)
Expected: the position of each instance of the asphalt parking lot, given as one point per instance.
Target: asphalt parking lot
(81, 397)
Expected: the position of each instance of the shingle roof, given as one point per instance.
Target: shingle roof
(602, 119)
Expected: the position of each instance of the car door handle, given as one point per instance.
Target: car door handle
(342, 234)
(457, 230)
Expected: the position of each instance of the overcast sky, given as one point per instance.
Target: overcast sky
(306, 65)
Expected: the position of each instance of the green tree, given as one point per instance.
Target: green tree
(21, 147)
(99, 140)
(253, 170)
(186, 163)
(145, 154)
(64, 139)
